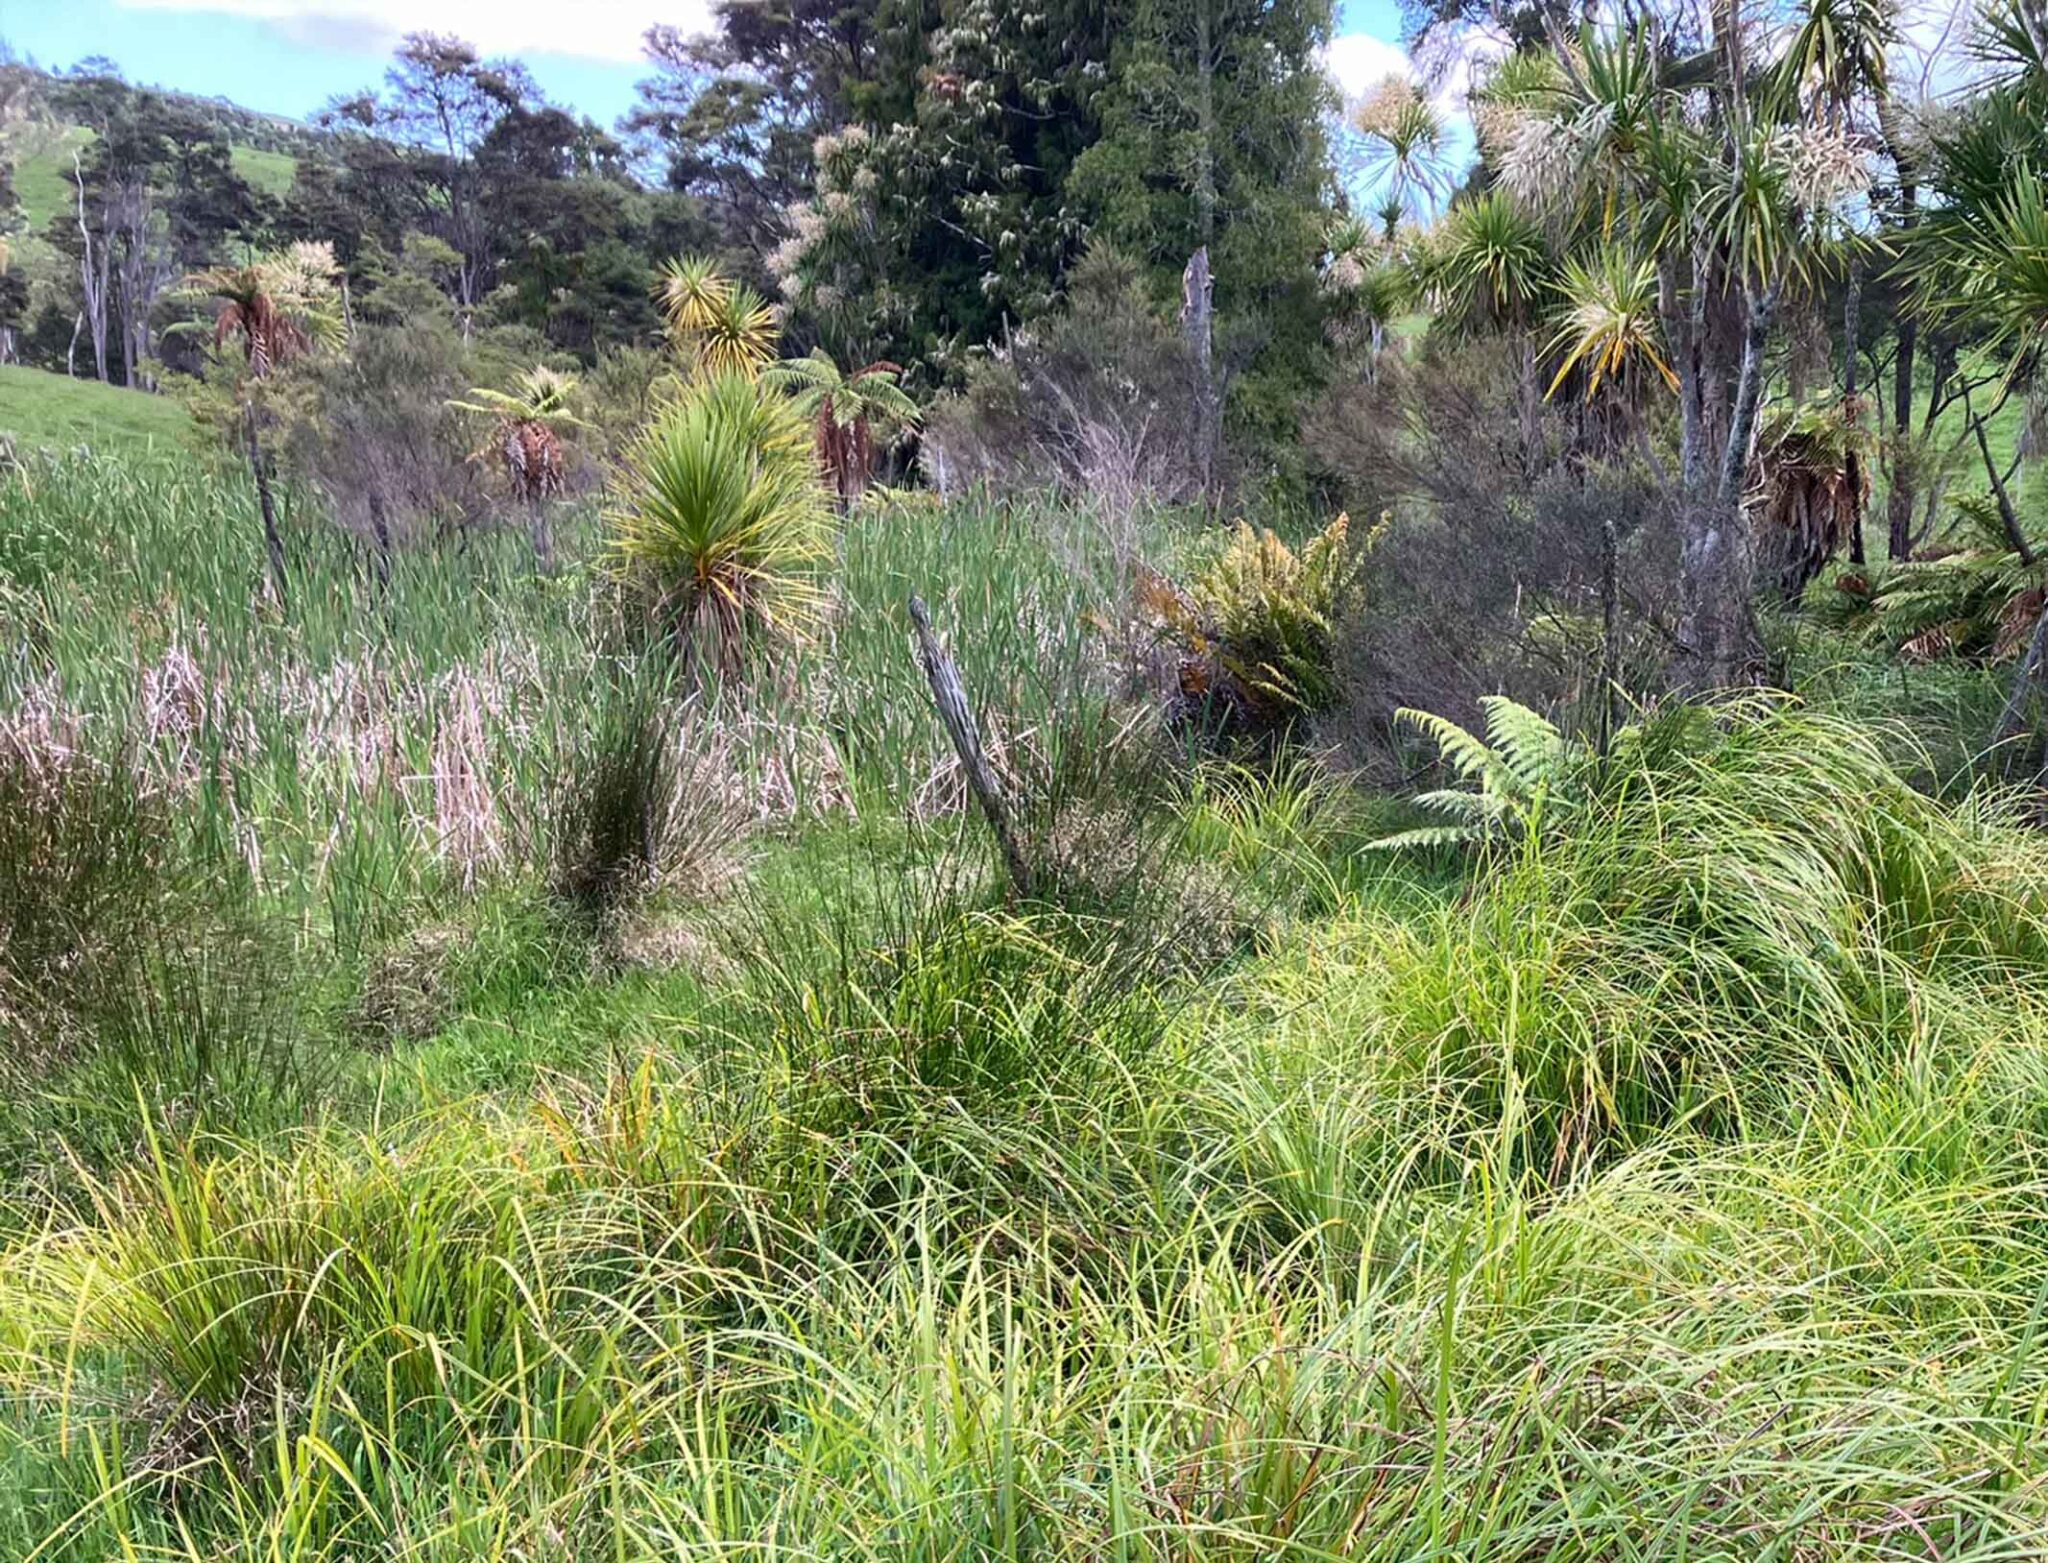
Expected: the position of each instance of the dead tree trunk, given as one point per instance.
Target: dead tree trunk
(1196, 316)
(93, 276)
(1197, 282)
(949, 694)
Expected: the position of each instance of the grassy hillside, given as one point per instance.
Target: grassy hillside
(38, 408)
(41, 162)
(270, 172)
(45, 160)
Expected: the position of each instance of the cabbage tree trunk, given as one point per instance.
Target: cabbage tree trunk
(1720, 646)
(2023, 700)
(259, 469)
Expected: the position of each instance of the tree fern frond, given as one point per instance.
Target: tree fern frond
(1476, 808)
(1465, 753)
(1530, 747)
(1426, 836)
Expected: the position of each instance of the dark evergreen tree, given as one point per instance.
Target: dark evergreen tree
(1213, 170)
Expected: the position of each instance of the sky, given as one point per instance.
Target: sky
(290, 56)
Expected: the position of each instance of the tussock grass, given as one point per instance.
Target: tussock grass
(1750, 903)
(1667, 1179)
(593, 1329)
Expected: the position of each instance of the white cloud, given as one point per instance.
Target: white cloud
(608, 30)
(1357, 61)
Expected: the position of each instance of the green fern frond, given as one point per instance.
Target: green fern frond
(1465, 753)
(1531, 748)
(1522, 768)
(1425, 837)
(1473, 807)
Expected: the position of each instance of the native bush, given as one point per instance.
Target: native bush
(1096, 400)
(1492, 571)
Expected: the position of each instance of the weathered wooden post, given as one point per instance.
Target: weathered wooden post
(949, 694)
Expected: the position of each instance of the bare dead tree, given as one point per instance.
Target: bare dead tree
(949, 695)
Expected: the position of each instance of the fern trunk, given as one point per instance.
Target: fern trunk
(259, 469)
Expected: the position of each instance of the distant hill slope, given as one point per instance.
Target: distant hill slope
(38, 408)
(39, 169)
(45, 159)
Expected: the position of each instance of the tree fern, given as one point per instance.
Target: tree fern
(1534, 752)
(1522, 765)
(1978, 601)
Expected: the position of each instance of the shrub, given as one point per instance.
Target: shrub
(1977, 600)
(1098, 399)
(1490, 577)
(720, 518)
(1257, 624)
(376, 435)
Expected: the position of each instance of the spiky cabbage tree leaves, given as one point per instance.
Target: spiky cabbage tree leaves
(720, 326)
(1637, 157)
(1369, 281)
(1493, 261)
(1984, 262)
(1402, 145)
(1609, 324)
(719, 520)
(1840, 48)
(1491, 265)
